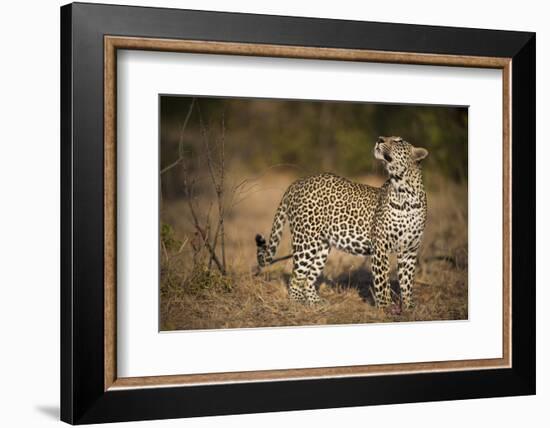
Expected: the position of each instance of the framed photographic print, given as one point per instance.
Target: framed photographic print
(265, 213)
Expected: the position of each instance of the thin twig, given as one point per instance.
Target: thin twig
(196, 223)
(221, 191)
(180, 141)
(218, 187)
(204, 237)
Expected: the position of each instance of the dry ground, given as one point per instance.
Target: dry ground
(201, 299)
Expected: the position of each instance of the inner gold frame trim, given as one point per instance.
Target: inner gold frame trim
(113, 43)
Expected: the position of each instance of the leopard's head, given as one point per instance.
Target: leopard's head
(398, 155)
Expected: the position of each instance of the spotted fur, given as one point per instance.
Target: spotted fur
(326, 211)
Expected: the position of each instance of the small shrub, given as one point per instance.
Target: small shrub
(168, 238)
(203, 280)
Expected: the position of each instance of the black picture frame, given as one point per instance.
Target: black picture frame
(83, 398)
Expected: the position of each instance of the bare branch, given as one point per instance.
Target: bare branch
(262, 174)
(204, 237)
(221, 207)
(180, 141)
(188, 189)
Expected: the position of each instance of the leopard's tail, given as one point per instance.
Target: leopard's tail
(266, 251)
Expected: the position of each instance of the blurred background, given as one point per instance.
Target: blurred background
(313, 136)
(225, 164)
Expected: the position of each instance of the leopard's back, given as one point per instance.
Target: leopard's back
(334, 209)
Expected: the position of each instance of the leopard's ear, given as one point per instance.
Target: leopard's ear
(419, 153)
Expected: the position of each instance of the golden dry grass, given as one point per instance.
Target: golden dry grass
(202, 299)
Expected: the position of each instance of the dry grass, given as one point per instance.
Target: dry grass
(200, 298)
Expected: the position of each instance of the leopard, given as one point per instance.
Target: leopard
(326, 211)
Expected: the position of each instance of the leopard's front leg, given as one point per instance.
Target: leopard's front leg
(406, 265)
(381, 269)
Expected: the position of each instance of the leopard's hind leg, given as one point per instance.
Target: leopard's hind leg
(315, 270)
(308, 263)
